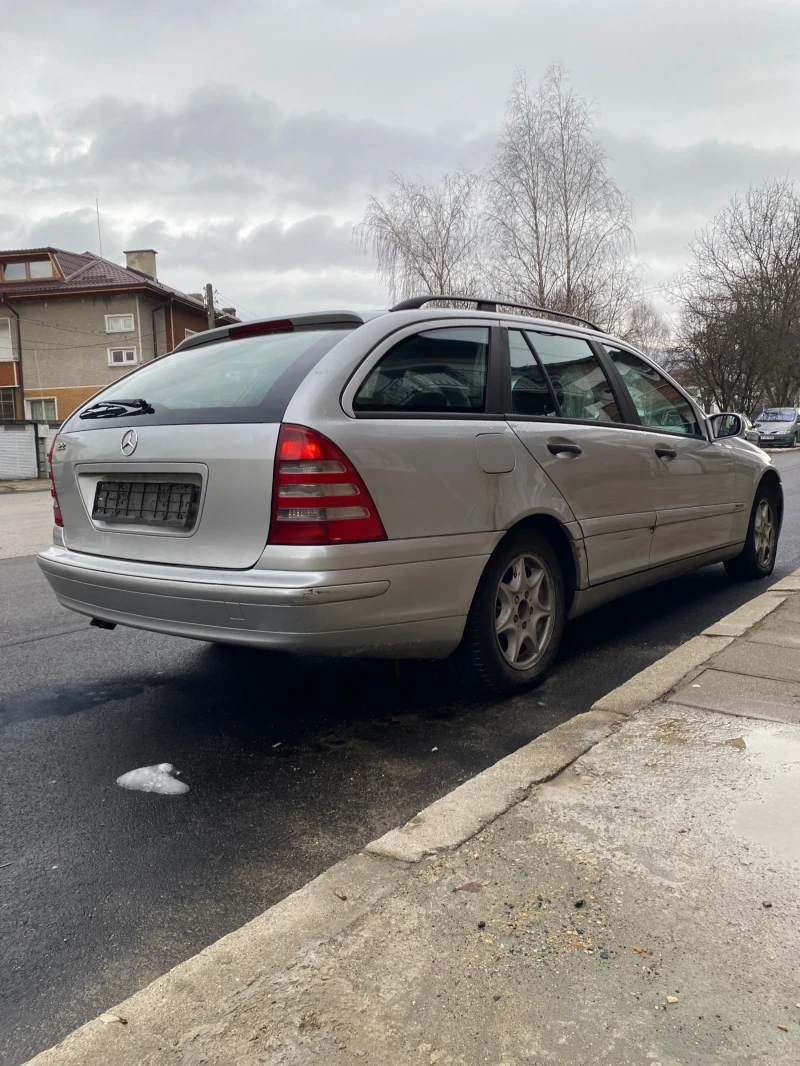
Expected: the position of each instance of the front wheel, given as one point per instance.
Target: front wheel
(516, 619)
(757, 558)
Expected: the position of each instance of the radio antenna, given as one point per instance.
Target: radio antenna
(99, 234)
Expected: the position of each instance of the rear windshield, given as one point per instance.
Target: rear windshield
(779, 414)
(247, 380)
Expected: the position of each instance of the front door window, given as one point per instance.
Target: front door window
(658, 403)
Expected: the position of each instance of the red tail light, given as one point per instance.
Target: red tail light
(318, 495)
(59, 521)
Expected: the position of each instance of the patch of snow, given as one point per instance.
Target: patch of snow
(154, 779)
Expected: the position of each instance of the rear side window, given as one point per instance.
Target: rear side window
(439, 370)
(581, 387)
(247, 380)
(658, 403)
(530, 391)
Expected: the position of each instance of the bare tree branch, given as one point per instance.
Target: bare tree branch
(739, 300)
(561, 230)
(425, 238)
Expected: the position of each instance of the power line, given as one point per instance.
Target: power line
(68, 329)
(238, 304)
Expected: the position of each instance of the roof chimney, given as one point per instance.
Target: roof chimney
(143, 260)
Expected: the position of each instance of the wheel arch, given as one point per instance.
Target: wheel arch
(563, 545)
(772, 479)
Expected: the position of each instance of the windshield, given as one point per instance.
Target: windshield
(247, 380)
(778, 414)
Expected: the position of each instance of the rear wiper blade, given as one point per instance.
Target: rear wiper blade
(117, 408)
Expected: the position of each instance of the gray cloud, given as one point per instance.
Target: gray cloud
(254, 182)
(219, 142)
(696, 177)
(263, 269)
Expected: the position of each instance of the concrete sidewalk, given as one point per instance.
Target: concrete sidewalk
(623, 890)
(26, 523)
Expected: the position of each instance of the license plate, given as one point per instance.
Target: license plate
(166, 504)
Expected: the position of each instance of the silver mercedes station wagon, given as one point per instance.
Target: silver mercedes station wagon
(420, 482)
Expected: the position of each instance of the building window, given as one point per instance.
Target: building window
(8, 410)
(28, 270)
(121, 356)
(190, 333)
(119, 324)
(43, 409)
(6, 350)
(40, 268)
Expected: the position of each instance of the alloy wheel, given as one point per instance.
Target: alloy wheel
(524, 611)
(764, 533)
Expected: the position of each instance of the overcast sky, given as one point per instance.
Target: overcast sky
(240, 138)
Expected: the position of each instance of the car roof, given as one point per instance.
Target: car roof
(339, 318)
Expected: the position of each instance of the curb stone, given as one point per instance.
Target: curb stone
(215, 980)
(34, 485)
(737, 623)
(453, 819)
(656, 680)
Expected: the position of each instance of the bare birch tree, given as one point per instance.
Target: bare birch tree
(561, 229)
(740, 299)
(425, 238)
(649, 330)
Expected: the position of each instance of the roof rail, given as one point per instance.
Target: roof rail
(484, 304)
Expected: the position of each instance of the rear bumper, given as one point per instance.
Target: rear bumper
(398, 610)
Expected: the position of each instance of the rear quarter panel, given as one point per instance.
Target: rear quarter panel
(424, 474)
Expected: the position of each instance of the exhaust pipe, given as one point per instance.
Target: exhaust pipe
(102, 624)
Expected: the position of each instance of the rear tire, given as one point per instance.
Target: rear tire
(757, 558)
(517, 616)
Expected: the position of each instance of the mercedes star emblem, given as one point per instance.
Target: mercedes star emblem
(129, 442)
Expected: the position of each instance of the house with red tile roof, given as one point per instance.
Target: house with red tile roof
(71, 323)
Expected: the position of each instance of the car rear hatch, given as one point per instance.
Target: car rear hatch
(174, 464)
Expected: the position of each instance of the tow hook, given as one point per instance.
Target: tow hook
(102, 624)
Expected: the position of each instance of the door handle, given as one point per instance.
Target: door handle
(558, 448)
(666, 453)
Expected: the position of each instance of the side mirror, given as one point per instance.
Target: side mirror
(726, 424)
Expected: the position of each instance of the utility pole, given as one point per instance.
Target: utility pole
(210, 305)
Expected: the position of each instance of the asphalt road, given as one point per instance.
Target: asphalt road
(292, 765)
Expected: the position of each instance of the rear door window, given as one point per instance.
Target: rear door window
(658, 403)
(581, 388)
(246, 380)
(440, 370)
(531, 393)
